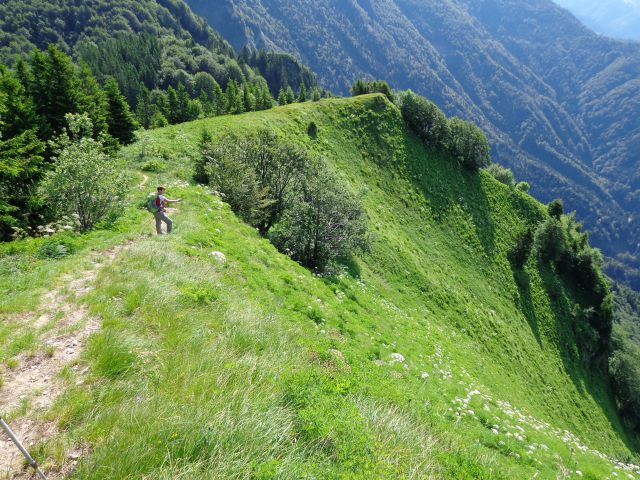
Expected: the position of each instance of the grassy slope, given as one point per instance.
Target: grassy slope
(255, 368)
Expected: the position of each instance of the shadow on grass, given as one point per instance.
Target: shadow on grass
(446, 184)
(589, 378)
(525, 302)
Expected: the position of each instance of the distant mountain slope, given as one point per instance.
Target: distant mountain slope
(158, 43)
(559, 102)
(613, 18)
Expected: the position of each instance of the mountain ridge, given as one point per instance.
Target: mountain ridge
(408, 363)
(543, 111)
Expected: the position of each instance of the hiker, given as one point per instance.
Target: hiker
(159, 205)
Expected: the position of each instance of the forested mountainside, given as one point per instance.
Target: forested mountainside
(613, 18)
(144, 44)
(558, 101)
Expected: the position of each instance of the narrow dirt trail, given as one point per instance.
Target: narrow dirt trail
(145, 179)
(33, 385)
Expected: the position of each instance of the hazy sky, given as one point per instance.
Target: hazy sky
(614, 18)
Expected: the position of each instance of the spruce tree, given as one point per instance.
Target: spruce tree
(249, 99)
(184, 113)
(219, 100)
(144, 107)
(302, 95)
(291, 97)
(315, 94)
(282, 97)
(54, 88)
(92, 100)
(122, 124)
(173, 105)
(235, 103)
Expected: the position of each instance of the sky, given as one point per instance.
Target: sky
(613, 18)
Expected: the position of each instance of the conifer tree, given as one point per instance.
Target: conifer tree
(92, 100)
(315, 94)
(291, 97)
(249, 99)
(235, 103)
(282, 97)
(54, 88)
(173, 105)
(302, 93)
(219, 100)
(144, 108)
(122, 124)
(183, 114)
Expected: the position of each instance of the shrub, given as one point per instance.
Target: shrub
(502, 174)
(256, 174)
(624, 371)
(520, 252)
(85, 181)
(468, 144)
(312, 130)
(153, 166)
(556, 208)
(550, 241)
(425, 119)
(227, 171)
(523, 187)
(53, 249)
(324, 223)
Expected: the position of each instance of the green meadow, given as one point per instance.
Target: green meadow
(428, 356)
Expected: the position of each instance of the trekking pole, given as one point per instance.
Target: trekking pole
(13, 438)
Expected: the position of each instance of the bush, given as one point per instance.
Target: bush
(502, 174)
(550, 241)
(153, 166)
(312, 130)
(255, 173)
(85, 181)
(468, 144)
(53, 249)
(556, 208)
(520, 252)
(624, 371)
(425, 119)
(228, 172)
(523, 187)
(325, 222)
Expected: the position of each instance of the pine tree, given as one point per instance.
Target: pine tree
(92, 100)
(173, 105)
(282, 97)
(249, 99)
(302, 95)
(183, 114)
(235, 103)
(144, 108)
(291, 97)
(122, 124)
(316, 94)
(54, 88)
(219, 100)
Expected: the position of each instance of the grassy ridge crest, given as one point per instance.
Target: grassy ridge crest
(424, 359)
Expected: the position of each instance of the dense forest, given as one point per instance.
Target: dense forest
(125, 64)
(557, 101)
(151, 47)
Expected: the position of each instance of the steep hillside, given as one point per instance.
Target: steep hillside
(150, 43)
(558, 101)
(613, 18)
(217, 357)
